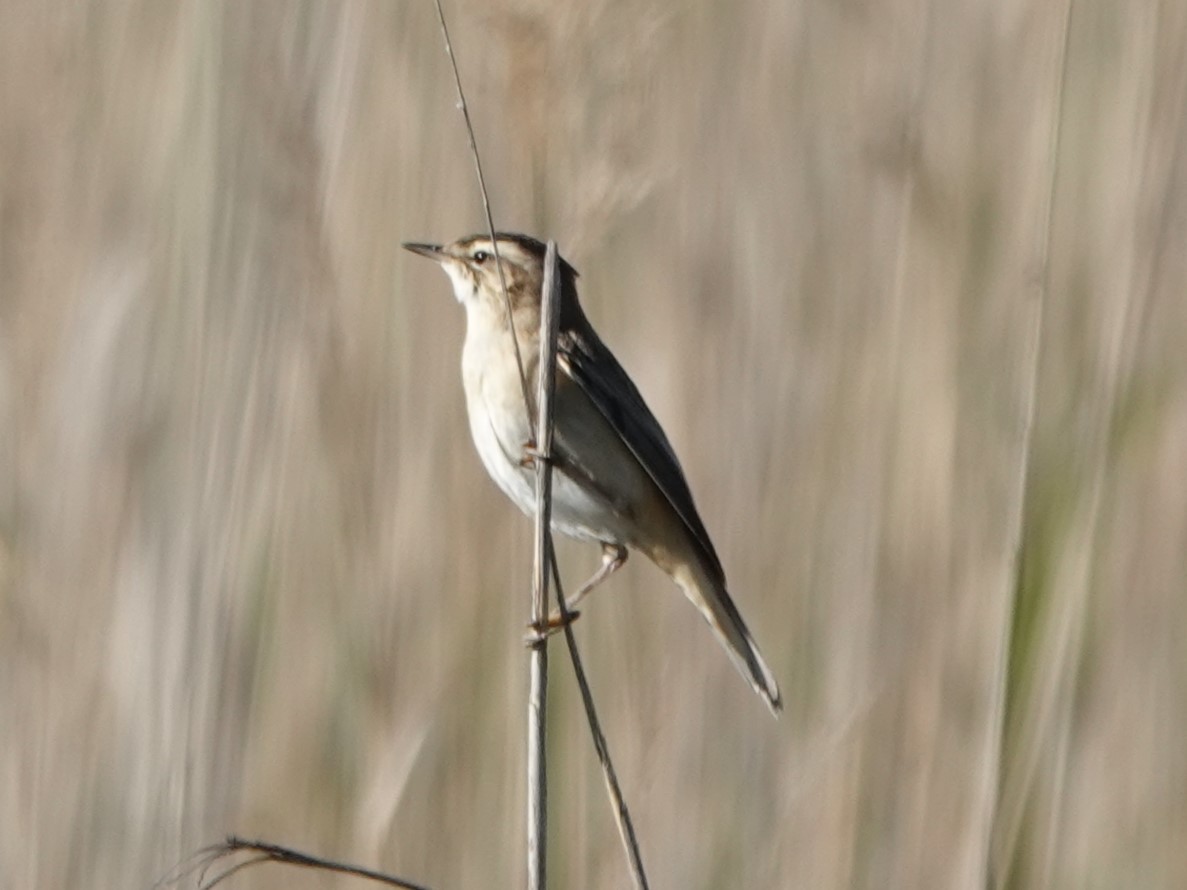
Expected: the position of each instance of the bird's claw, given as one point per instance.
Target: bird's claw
(531, 454)
(536, 636)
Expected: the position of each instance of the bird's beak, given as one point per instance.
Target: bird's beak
(432, 251)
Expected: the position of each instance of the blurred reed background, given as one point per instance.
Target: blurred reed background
(253, 578)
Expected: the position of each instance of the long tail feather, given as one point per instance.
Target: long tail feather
(719, 610)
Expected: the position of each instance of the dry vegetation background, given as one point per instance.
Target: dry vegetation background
(253, 579)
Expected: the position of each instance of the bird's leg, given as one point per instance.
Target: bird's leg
(613, 558)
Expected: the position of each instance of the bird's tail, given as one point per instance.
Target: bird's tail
(714, 602)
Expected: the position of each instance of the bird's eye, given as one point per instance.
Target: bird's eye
(481, 256)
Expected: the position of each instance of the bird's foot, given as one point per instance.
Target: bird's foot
(535, 635)
(531, 454)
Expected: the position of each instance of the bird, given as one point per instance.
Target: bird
(616, 479)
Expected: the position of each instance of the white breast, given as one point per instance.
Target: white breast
(498, 418)
(500, 429)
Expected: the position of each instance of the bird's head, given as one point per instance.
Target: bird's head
(471, 267)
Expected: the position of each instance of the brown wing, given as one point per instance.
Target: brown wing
(584, 358)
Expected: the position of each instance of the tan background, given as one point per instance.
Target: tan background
(253, 579)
